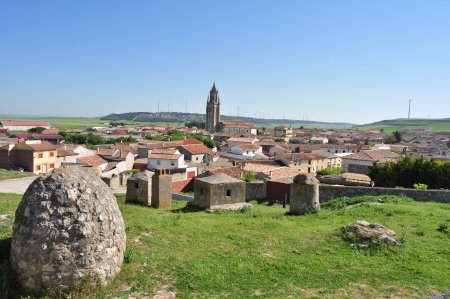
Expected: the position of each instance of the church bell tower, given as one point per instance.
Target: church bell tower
(212, 110)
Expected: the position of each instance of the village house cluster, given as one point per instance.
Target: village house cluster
(236, 149)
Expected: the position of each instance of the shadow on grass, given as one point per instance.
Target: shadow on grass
(9, 286)
(189, 209)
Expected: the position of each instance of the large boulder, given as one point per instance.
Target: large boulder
(68, 227)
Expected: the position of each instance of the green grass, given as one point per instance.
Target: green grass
(408, 124)
(264, 253)
(8, 174)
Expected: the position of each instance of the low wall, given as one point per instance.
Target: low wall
(328, 192)
(182, 197)
(255, 190)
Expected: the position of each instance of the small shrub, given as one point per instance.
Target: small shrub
(420, 186)
(129, 256)
(245, 209)
(420, 233)
(331, 170)
(443, 227)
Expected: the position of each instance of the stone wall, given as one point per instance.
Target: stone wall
(328, 192)
(255, 190)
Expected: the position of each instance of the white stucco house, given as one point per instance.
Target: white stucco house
(166, 158)
(246, 149)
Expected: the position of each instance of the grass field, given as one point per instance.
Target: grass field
(408, 124)
(7, 174)
(264, 253)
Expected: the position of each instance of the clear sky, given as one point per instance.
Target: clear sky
(354, 61)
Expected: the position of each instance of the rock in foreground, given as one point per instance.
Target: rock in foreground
(68, 226)
(367, 234)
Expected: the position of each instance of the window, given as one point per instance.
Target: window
(172, 163)
(201, 191)
(228, 192)
(309, 162)
(52, 154)
(158, 162)
(51, 165)
(336, 151)
(136, 185)
(309, 169)
(38, 167)
(40, 155)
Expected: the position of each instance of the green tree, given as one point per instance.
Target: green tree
(37, 130)
(397, 136)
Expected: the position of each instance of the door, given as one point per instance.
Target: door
(44, 168)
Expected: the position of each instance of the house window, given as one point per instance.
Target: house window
(51, 166)
(201, 191)
(158, 162)
(172, 163)
(309, 169)
(52, 154)
(38, 167)
(336, 151)
(40, 155)
(228, 192)
(309, 162)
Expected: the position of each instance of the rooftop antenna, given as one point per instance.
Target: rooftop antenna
(409, 109)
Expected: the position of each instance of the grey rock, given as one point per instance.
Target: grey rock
(68, 226)
(365, 234)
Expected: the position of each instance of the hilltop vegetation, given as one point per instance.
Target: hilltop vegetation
(401, 124)
(264, 253)
(179, 117)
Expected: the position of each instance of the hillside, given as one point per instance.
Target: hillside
(400, 124)
(264, 253)
(179, 117)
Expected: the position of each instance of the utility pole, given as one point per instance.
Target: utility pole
(409, 109)
(158, 105)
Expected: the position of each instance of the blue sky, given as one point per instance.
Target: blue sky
(353, 61)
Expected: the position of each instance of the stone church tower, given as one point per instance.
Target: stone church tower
(212, 110)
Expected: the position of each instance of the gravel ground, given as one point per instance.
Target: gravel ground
(18, 186)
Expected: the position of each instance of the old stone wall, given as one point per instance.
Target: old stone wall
(328, 192)
(255, 190)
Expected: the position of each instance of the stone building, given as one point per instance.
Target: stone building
(212, 110)
(139, 188)
(219, 191)
(161, 189)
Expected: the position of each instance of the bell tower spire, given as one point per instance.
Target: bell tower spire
(212, 110)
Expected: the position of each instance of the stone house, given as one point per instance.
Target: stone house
(310, 162)
(197, 153)
(34, 156)
(166, 158)
(283, 132)
(139, 188)
(362, 161)
(218, 190)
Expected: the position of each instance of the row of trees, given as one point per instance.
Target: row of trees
(409, 171)
(92, 139)
(178, 135)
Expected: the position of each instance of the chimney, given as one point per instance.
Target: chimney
(270, 174)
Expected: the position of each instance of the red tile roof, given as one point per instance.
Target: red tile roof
(25, 123)
(94, 160)
(164, 156)
(196, 149)
(43, 146)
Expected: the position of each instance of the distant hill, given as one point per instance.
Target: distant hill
(179, 117)
(400, 124)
